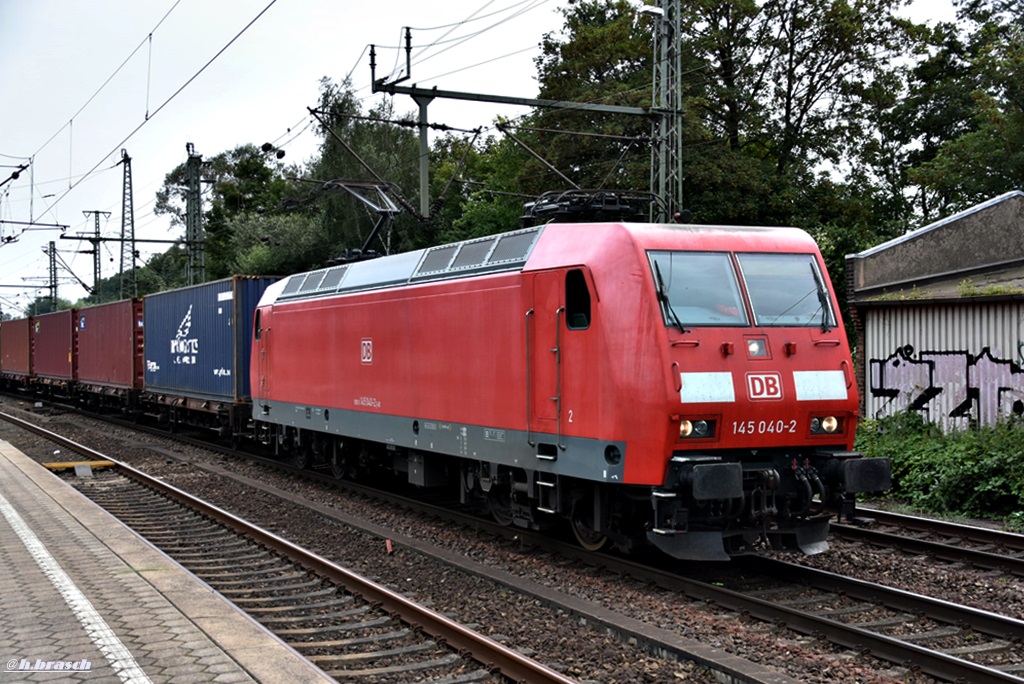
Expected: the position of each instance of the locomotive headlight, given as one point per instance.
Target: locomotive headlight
(757, 347)
(696, 429)
(827, 425)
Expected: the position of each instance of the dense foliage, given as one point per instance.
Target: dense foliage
(977, 473)
(836, 116)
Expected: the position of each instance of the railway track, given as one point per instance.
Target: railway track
(916, 634)
(942, 639)
(980, 547)
(347, 625)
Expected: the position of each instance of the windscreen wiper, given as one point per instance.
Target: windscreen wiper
(666, 305)
(822, 299)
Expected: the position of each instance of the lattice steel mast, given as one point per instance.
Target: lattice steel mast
(194, 218)
(667, 104)
(128, 253)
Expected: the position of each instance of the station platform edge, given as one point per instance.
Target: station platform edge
(84, 598)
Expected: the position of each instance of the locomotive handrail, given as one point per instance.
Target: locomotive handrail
(558, 375)
(847, 375)
(529, 383)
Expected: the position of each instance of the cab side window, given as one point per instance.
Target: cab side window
(577, 300)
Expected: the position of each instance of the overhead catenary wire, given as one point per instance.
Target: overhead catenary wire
(127, 59)
(165, 103)
(78, 180)
(420, 56)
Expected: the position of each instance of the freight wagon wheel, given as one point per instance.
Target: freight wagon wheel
(583, 527)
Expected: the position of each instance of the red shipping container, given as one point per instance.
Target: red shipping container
(109, 342)
(15, 350)
(52, 345)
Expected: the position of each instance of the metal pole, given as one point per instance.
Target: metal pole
(423, 101)
(96, 240)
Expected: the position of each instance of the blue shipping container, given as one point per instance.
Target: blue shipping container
(198, 338)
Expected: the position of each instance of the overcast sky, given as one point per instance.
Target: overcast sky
(56, 55)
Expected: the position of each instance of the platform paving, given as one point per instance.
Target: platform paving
(83, 598)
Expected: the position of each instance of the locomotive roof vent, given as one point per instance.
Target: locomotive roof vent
(312, 283)
(575, 206)
(502, 252)
(293, 285)
(492, 253)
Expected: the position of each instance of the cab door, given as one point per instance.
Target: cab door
(543, 322)
(560, 351)
(261, 351)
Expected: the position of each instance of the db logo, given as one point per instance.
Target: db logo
(366, 350)
(762, 386)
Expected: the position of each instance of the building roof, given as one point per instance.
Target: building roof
(978, 252)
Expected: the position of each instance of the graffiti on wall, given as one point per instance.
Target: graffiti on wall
(952, 388)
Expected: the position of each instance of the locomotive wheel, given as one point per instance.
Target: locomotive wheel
(499, 501)
(583, 529)
(301, 457)
(340, 467)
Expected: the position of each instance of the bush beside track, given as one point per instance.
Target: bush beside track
(973, 473)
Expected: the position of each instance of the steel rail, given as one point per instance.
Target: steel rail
(490, 653)
(934, 663)
(942, 611)
(981, 535)
(937, 549)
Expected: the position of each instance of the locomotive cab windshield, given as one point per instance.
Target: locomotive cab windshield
(703, 289)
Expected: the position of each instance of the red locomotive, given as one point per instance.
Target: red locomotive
(684, 386)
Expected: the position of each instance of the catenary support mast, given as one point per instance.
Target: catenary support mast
(130, 289)
(194, 218)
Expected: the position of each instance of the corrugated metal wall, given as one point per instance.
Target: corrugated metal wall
(15, 347)
(52, 342)
(198, 338)
(108, 343)
(954, 363)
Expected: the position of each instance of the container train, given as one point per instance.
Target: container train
(678, 386)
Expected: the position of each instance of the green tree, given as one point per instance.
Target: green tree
(277, 244)
(934, 105)
(773, 92)
(985, 156)
(601, 56)
(364, 148)
(245, 179)
(478, 183)
(42, 305)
